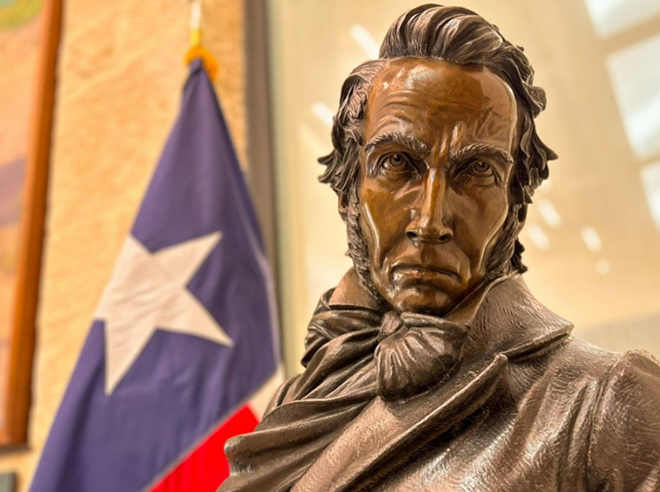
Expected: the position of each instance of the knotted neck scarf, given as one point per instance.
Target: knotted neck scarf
(353, 355)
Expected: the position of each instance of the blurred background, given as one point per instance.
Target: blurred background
(592, 237)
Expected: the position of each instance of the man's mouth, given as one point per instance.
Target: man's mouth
(423, 273)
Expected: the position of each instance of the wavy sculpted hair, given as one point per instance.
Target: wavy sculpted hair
(460, 36)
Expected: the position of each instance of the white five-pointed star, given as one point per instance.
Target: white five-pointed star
(148, 291)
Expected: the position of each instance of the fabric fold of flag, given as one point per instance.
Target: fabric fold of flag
(182, 351)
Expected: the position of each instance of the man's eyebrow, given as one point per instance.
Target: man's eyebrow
(408, 141)
(477, 149)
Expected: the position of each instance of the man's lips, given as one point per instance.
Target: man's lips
(423, 272)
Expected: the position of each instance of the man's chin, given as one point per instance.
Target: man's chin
(423, 299)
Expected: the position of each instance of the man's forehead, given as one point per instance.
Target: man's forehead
(441, 102)
(441, 83)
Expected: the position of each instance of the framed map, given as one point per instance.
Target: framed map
(29, 34)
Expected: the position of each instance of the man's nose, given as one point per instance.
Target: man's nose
(430, 216)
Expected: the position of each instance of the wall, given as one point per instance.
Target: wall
(120, 75)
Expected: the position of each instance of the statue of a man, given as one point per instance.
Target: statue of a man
(431, 367)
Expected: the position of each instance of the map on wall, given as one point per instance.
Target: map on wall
(20, 33)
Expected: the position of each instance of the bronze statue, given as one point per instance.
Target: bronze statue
(431, 367)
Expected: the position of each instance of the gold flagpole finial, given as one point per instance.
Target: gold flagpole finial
(196, 50)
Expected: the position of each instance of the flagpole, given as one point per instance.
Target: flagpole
(195, 23)
(197, 49)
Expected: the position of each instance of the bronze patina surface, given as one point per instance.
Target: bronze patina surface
(431, 367)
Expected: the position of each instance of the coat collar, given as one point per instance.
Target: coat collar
(506, 323)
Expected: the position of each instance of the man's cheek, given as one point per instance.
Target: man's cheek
(367, 227)
(477, 226)
(373, 213)
(498, 208)
(485, 211)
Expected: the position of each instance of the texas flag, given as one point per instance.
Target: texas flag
(182, 353)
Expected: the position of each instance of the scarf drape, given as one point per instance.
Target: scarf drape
(353, 355)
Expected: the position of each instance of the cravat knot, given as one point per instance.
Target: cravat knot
(416, 352)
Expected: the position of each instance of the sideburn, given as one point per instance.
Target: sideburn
(501, 256)
(357, 246)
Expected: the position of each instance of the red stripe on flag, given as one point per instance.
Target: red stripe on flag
(206, 467)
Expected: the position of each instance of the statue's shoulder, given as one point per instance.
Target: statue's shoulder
(631, 386)
(624, 448)
(581, 374)
(607, 366)
(613, 403)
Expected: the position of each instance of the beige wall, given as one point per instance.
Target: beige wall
(120, 77)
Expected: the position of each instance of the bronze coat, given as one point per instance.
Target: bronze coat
(528, 409)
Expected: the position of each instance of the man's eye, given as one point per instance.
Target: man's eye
(396, 163)
(478, 173)
(480, 169)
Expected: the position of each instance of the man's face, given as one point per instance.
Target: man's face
(435, 169)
